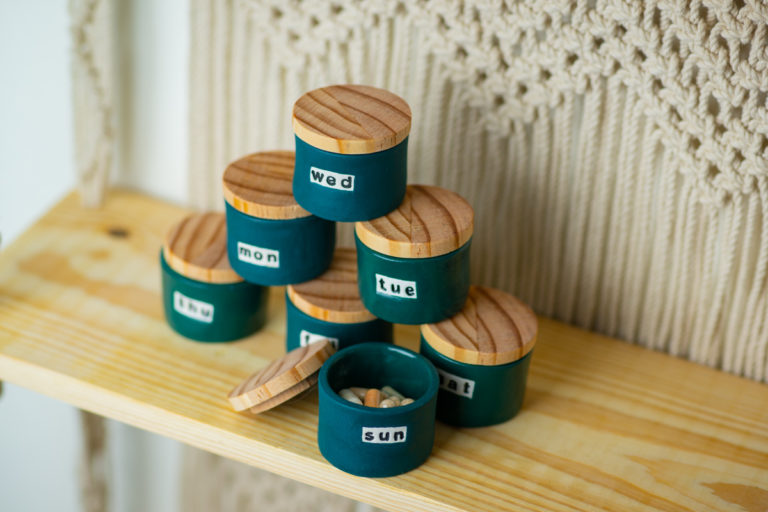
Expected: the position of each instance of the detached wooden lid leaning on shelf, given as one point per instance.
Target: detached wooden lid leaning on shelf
(351, 119)
(430, 221)
(260, 185)
(493, 328)
(334, 296)
(196, 248)
(282, 379)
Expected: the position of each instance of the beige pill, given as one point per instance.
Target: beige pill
(387, 403)
(390, 392)
(394, 400)
(372, 398)
(347, 394)
(360, 392)
(406, 401)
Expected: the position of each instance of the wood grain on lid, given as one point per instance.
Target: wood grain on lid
(334, 296)
(429, 222)
(196, 248)
(493, 328)
(351, 119)
(261, 185)
(282, 377)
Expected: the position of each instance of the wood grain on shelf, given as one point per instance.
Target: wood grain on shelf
(605, 425)
(334, 295)
(282, 378)
(430, 221)
(493, 328)
(261, 185)
(351, 119)
(196, 247)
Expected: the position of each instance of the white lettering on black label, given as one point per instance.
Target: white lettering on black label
(455, 384)
(258, 255)
(191, 308)
(381, 435)
(307, 338)
(332, 179)
(395, 287)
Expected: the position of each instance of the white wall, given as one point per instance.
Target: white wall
(39, 437)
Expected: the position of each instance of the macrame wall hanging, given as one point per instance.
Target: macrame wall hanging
(615, 151)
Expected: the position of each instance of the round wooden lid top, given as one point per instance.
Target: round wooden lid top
(429, 222)
(196, 248)
(351, 119)
(261, 185)
(493, 328)
(334, 296)
(282, 379)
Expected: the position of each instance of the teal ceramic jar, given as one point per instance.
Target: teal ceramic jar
(351, 151)
(329, 307)
(482, 356)
(203, 298)
(413, 263)
(271, 239)
(373, 442)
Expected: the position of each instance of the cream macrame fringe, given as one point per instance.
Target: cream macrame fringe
(615, 151)
(93, 85)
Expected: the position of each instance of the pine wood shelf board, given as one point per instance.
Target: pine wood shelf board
(605, 425)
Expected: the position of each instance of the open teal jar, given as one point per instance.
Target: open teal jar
(329, 307)
(203, 298)
(351, 151)
(271, 240)
(413, 263)
(373, 442)
(482, 356)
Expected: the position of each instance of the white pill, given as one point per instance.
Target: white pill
(350, 396)
(360, 392)
(387, 403)
(406, 401)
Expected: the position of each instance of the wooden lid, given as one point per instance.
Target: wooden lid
(351, 119)
(334, 296)
(493, 328)
(282, 379)
(429, 222)
(261, 185)
(196, 248)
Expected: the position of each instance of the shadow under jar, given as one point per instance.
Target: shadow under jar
(369, 441)
(482, 355)
(413, 263)
(203, 298)
(329, 307)
(271, 239)
(351, 151)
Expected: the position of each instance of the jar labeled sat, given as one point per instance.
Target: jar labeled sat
(413, 263)
(329, 307)
(482, 356)
(203, 298)
(271, 239)
(351, 151)
(375, 441)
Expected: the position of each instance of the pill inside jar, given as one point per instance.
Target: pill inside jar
(382, 398)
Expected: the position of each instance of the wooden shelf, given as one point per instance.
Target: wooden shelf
(605, 424)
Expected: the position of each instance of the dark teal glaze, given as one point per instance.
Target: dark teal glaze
(305, 246)
(379, 181)
(442, 284)
(239, 309)
(346, 334)
(496, 397)
(341, 423)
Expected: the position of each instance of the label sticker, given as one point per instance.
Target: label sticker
(191, 308)
(456, 384)
(395, 287)
(331, 179)
(384, 435)
(258, 255)
(307, 338)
